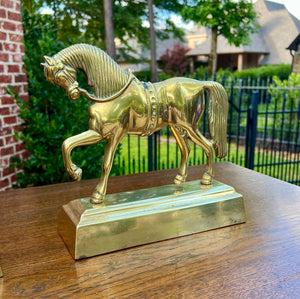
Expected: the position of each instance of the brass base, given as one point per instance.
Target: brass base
(143, 216)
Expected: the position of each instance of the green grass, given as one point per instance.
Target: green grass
(284, 170)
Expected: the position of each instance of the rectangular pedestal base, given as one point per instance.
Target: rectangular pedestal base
(143, 216)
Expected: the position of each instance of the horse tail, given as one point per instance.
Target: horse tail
(217, 117)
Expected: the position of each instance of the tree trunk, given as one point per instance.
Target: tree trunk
(212, 62)
(109, 28)
(152, 42)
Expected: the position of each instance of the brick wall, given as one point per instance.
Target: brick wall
(11, 73)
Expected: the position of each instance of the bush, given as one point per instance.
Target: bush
(143, 75)
(174, 61)
(282, 71)
(49, 117)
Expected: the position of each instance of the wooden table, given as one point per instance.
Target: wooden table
(259, 259)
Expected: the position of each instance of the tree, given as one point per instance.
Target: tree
(152, 42)
(234, 20)
(109, 28)
(174, 61)
(84, 20)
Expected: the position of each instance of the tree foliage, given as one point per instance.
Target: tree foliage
(174, 61)
(49, 117)
(83, 20)
(235, 20)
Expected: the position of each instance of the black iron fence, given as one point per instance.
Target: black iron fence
(263, 134)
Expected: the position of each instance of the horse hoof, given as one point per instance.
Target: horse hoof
(76, 172)
(96, 198)
(206, 179)
(179, 179)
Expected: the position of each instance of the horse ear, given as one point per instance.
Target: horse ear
(49, 60)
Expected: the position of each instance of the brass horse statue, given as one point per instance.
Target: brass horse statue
(124, 105)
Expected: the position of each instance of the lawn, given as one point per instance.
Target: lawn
(134, 157)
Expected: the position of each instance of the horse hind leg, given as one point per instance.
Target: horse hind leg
(207, 146)
(181, 138)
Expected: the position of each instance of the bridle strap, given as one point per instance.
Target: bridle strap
(93, 98)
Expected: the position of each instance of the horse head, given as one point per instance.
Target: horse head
(61, 75)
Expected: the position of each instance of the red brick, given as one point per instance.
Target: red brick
(17, 128)
(4, 162)
(13, 178)
(1, 142)
(3, 36)
(7, 3)
(24, 97)
(7, 151)
(14, 16)
(5, 79)
(18, 7)
(7, 100)
(4, 183)
(13, 68)
(20, 78)
(15, 37)
(4, 111)
(4, 57)
(3, 13)
(1, 68)
(17, 88)
(7, 171)
(5, 131)
(20, 147)
(15, 109)
(9, 26)
(22, 49)
(17, 58)
(25, 155)
(25, 85)
(19, 28)
(10, 140)
(9, 120)
(10, 47)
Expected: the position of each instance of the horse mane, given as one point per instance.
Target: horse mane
(104, 75)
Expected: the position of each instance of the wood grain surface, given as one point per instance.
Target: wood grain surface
(258, 259)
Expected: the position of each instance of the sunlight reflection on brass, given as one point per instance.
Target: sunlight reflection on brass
(147, 215)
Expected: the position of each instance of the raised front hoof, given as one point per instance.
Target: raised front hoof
(76, 172)
(206, 179)
(179, 179)
(97, 198)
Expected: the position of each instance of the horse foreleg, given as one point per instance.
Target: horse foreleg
(85, 138)
(185, 151)
(110, 149)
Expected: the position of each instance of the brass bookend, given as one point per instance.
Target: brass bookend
(144, 216)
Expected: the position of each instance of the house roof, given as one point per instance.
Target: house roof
(278, 29)
(294, 45)
(257, 46)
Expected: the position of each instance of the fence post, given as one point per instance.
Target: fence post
(251, 130)
(150, 153)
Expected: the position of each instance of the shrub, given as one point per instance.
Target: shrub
(49, 117)
(282, 71)
(174, 61)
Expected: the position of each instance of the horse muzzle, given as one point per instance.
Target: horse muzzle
(73, 91)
